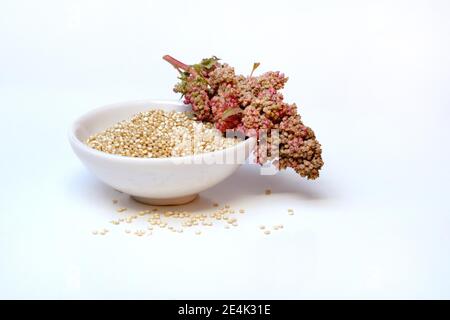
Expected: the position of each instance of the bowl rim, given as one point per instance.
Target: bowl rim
(76, 142)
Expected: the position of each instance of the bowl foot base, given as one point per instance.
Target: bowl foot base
(166, 202)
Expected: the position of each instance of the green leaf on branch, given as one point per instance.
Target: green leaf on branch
(208, 63)
(231, 112)
(255, 66)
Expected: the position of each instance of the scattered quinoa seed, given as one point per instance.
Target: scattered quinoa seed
(139, 233)
(176, 220)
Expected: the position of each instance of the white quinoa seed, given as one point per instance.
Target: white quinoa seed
(160, 134)
(139, 233)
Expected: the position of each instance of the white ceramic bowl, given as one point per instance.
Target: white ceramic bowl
(157, 181)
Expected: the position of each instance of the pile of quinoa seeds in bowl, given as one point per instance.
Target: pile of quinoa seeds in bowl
(160, 134)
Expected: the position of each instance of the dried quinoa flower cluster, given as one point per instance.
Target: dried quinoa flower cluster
(251, 104)
(160, 134)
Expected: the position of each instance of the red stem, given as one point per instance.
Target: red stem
(178, 64)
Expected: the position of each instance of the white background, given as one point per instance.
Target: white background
(370, 77)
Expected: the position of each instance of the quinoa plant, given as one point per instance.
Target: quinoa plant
(251, 105)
